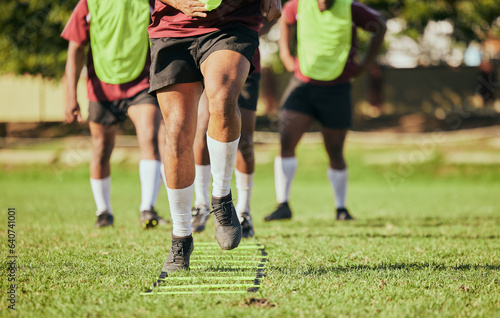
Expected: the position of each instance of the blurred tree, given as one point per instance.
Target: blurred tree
(30, 41)
(471, 19)
(30, 30)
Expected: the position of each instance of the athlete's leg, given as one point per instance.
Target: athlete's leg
(178, 103)
(293, 124)
(337, 173)
(201, 156)
(103, 141)
(146, 119)
(225, 73)
(245, 162)
(203, 176)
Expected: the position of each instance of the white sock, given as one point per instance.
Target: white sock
(149, 173)
(160, 179)
(284, 171)
(338, 180)
(202, 185)
(180, 210)
(222, 159)
(101, 188)
(244, 184)
(162, 171)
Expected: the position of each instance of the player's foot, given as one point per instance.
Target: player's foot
(227, 226)
(104, 219)
(178, 257)
(343, 215)
(282, 212)
(246, 225)
(199, 218)
(150, 219)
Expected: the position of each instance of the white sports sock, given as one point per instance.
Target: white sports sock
(180, 210)
(284, 171)
(160, 179)
(101, 189)
(149, 173)
(222, 159)
(162, 171)
(338, 180)
(202, 185)
(244, 184)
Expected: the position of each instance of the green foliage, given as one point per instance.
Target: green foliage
(30, 41)
(471, 19)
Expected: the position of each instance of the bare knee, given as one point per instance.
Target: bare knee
(223, 103)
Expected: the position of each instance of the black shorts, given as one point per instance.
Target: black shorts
(178, 60)
(250, 92)
(110, 113)
(330, 105)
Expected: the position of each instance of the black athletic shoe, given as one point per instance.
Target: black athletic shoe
(247, 225)
(178, 257)
(199, 218)
(227, 225)
(282, 212)
(343, 215)
(150, 219)
(104, 219)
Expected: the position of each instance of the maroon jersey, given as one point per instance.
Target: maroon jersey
(170, 22)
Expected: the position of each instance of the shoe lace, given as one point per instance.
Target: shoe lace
(223, 213)
(177, 251)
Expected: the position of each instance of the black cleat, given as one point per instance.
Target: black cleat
(104, 219)
(247, 225)
(150, 219)
(199, 218)
(343, 215)
(178, 257)
(282, 212)
(227, 225)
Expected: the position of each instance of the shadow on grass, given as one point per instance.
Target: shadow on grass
(423, 266)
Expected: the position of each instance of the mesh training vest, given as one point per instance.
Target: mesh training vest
(211, 4)
(324, 39)
(119, 38)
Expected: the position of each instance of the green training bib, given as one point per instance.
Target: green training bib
(323, 38)
(211, 4)
(119, 38)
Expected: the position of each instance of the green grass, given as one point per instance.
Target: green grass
(427, 245)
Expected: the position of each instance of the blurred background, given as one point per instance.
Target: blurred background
(439, 69)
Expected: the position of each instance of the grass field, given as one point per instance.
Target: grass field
(426, 242)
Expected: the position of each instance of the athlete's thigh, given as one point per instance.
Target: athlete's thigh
(179, 104)
(145, 117)
(225, 72)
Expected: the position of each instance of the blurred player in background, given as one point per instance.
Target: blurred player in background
(321, 86)
(118, 63)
